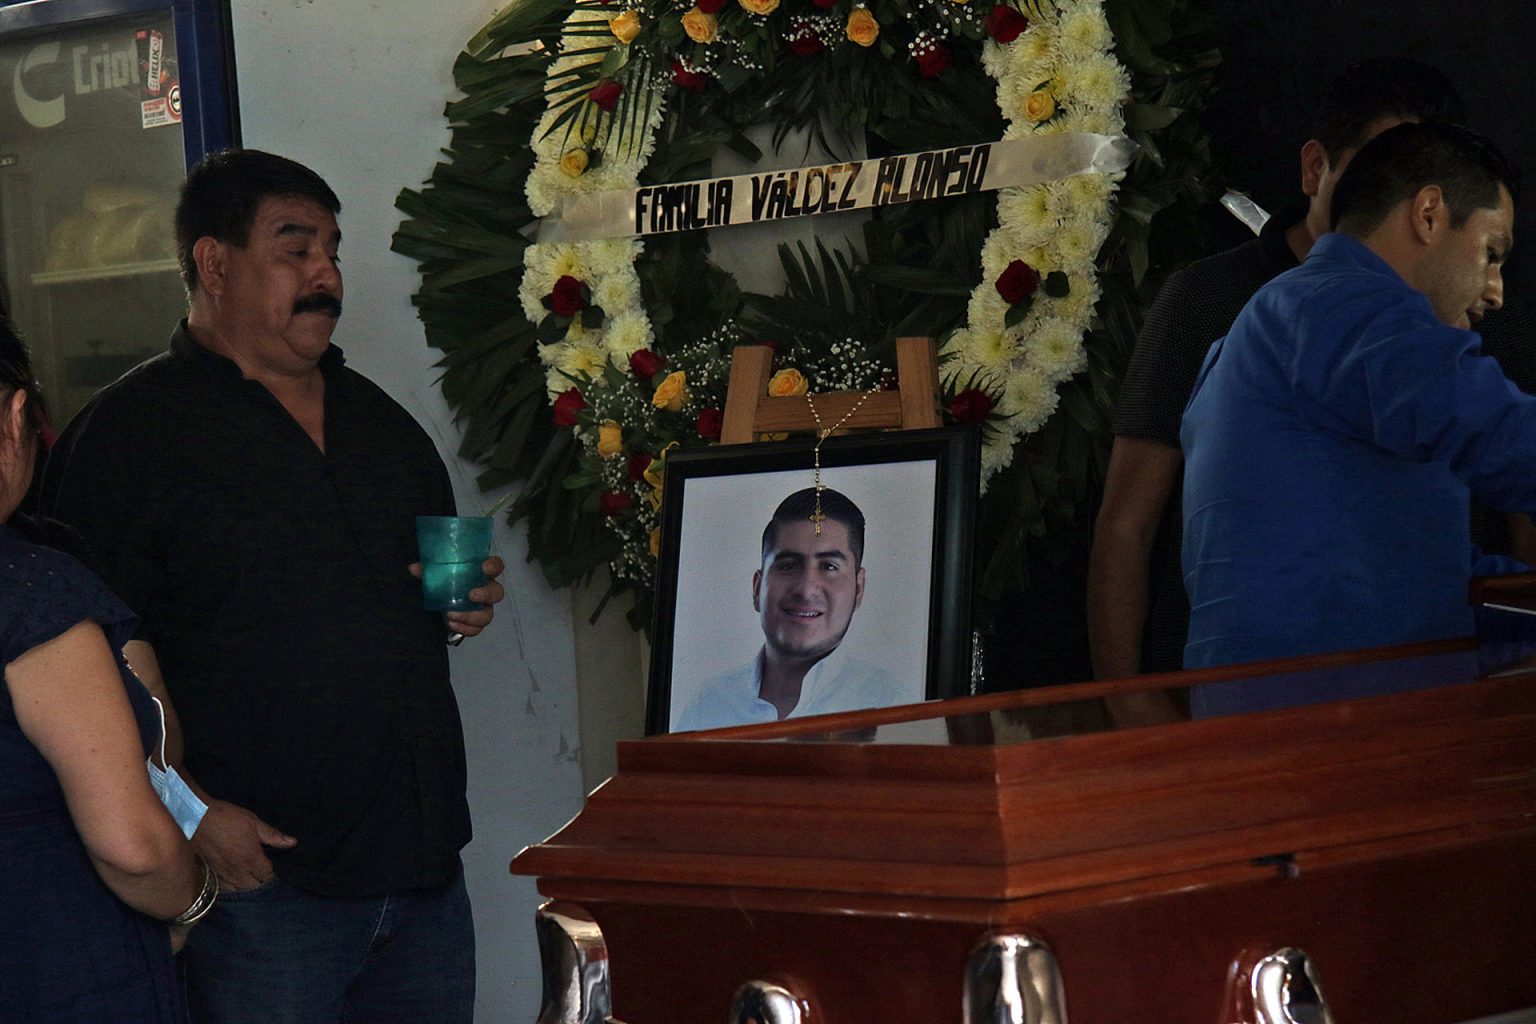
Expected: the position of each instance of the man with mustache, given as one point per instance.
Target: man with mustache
(254, 500)
(805, 592)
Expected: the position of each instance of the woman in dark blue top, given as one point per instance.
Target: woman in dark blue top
(94, 873)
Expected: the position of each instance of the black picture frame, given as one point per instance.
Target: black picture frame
(921, 485)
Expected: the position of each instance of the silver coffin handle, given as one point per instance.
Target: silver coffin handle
(1013, 979)
(763, 1002)
(1285, 990)
(575, 960)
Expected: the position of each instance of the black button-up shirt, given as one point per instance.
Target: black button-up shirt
(271, 578)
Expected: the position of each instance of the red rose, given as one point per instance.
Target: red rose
(1005, 23)
(806, 43)
(613, 502)
(1018, 282)
(645, 364)
(710, 6)
(567, 405)
(709, 423)
(639, 462)
(693, 81)
(605, 94)
(932, 61)
(566, 298)
(970, 406)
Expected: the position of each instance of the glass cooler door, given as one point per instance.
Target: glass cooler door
(92, 152)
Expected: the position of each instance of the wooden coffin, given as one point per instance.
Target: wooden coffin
(860, 862)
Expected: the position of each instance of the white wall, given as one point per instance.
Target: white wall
(355, 89)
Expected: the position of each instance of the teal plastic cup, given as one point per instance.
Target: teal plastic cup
(453, 549)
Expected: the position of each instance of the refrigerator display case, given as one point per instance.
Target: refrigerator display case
(104, 104)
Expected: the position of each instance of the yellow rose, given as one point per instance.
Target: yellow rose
(654, 497)
(862, 27)
(671, 393)
(700, 27)
(1039, 106)
(625, 27)
(656, 542)
(574, 163)
(610, 439)
(655, 472)
(786, 383)
(759, 6)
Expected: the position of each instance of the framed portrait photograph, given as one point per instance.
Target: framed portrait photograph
(776, 599)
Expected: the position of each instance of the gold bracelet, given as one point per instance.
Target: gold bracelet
(205, 900)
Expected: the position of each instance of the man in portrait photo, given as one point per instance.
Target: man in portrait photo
(809, 583)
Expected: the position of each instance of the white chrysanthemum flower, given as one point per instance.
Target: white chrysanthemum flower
(554, 383)
(1089, 191)
(1055, 349)
(1096, 83)
(580, 357)
(566, 260)
(1082, 31)
(988, 347)
(616, 292)
(538, 279)
(1078, 304)
(995, 58)
(996, 455)
(1058, 200)
(986, 308)
(531, 298)
(1043, 258)
(1027, 214)
(627, 333)
(996, 253)
(610, 255)
(1079, 239)
(1030, 399)
(1097, 122)
(609, 177)
(542, 190)
(1036, 44)
(549, 355)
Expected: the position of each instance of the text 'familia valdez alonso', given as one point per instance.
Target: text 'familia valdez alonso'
(779, 195)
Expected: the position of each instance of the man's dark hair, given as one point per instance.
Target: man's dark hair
(835, 505)
(221, 194)
(1369, 90)
(1397, 163)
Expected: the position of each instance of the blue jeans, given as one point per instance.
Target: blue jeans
(279, 955)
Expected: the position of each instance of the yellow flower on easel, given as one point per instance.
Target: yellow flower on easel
(671, 393)
(787, 383)
(625, 27)
(610, 439)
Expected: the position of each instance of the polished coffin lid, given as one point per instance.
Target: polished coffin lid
(1018, 795)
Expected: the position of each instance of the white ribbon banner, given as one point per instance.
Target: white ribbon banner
(830, 188)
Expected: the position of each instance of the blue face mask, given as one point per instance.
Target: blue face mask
(185, 807)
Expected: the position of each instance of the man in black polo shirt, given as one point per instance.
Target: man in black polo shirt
(1138, 611)
(255, 501)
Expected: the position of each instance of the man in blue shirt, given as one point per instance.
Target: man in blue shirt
(1334, 433)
